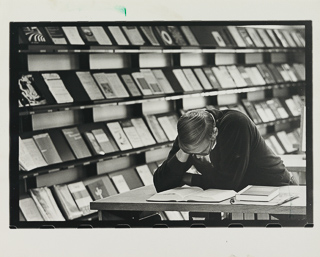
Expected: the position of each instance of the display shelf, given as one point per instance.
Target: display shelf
(277, 122)
(30, 110)
(90, 160)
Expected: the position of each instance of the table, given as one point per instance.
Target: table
(119, 207)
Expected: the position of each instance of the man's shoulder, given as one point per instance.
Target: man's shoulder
(234, 119)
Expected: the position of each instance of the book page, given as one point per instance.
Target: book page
(211, 195)
(175, 194)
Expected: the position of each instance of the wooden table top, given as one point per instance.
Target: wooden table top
(136, 200)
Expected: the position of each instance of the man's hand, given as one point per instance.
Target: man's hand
(182, 156)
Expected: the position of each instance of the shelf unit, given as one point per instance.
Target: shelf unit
(35, 58)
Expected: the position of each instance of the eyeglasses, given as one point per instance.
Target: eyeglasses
(208, 149)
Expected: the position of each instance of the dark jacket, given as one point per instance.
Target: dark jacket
(240, 158)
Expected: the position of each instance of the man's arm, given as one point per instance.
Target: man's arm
(172, 172)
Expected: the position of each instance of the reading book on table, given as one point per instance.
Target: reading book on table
(192, 194)
(257, 193)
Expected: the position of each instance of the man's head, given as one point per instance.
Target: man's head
(197, 132)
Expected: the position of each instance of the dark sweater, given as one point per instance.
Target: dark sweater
(240, 158)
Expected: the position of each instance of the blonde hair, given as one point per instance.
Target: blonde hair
(194, 127)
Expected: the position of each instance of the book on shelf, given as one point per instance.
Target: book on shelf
(111, 190)
(152, 81)
(163, 81)
(245, 75)
(156, 129)
(270, 145)
(278, 200)
(173, 215)
(76, 142)
(131, 133)
(236, 76)
(299, 102)
(193, 81)
(104, 85)
(281, 110)
(290, 72)
(167, 127)
(57, 36)
(257, 193)
(295, 72)
(164, 35)
(93, 143)
(202, 78)
(261, 112)
(223, 76)
(118, 35)
(294, 109)
(29, 209)
(285, 141)
(81, 196)
(294, 141)
(133, 34)
(119, 136)
(103, 140)
(184, 83)
(73, 35)
(251, 111)
(273, 37)
(268, 111)
(275, 72)
(145, 174)
(228, 37)
(265, 37)
(149, 34)
(116, 85)
(100, 35)
(87, 35)
(67, 203)
(46, 204)
(57, 88)
(236, 36)
(252, 76)
(177, 35)
(245, 36)
(120, 183)
(296, 39)
(266, 73)
(143, 131)
(192, 194)
(301, 70)
(142, 83)
(47, 148)
(30, 156)
(283, 72)
(130, 84)
(281, 38)
(211, 77)
(34, 35)
(97, 189)
(218, 38)
(89, 85)
(288, 37)
(255, 37)
(173, 119)
(205, 37)
(189, 35)
(301, 38)
(276, 145)
(256, 73)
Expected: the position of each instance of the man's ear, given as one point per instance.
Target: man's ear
(215, 131)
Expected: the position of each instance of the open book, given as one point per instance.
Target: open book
(192, 194)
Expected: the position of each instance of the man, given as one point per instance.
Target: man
(227, 150)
